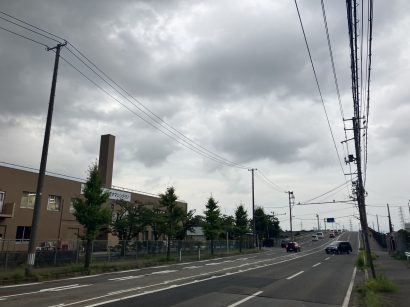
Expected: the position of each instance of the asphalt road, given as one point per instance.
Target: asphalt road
(272, 278)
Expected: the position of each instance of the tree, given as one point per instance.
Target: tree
(228, 226)
(172, 215)
(188, 221)
(261, 224)
(212, 225)
(89, 211)
(241, 224)
(131, 219)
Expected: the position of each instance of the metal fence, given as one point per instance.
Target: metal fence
(13, 253)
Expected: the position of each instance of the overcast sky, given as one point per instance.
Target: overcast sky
(234, 77)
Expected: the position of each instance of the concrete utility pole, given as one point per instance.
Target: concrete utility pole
(318, 225)
(377, 219)
(390, 224)
(253, 205)
(291, 197)
(40, 180)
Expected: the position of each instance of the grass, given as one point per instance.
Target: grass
(371, 291)
(361, 259)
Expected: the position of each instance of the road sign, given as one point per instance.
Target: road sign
(330, 220)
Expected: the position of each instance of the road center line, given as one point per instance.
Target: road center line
(294, 275)
(327, 258)
(245, 299)
(315, 265)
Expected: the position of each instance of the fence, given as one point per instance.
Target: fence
(13, 253)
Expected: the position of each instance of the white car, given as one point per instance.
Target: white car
(320, 235)
(315, 238)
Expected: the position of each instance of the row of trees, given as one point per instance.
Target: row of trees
(168, 219)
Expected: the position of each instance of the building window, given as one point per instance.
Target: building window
(27, 200)
(72, 209)
(23, 233)
(1, 201)
(54, 203)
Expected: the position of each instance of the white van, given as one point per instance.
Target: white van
(320, 235)
(315, 238)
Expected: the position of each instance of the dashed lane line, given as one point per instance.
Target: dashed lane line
(294, 275)
(245, 299)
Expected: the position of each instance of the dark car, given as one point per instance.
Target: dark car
(284, 242)
(339, 247)
(293, 247)
(331, 235)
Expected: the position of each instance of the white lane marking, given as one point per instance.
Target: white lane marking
(286, 259)
(68, 287)
(163, 272)
(126, 277)
(21, 285)
(315, 265)
(349, 290)
(191, 267)
(327, 258)
(245, 299)
(213, 263)
(294, 275)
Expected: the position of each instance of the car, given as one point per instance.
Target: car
(284, 242)
(320, 235)
(292, 247)
(339, 247)
(331, 235)
(315, 238)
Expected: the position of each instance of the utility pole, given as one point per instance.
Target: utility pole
(40, 180)
(357, 120)
(291, 197)
(253, 205)
(402, 217)
(324, 222)
(377, 219)
(318, 225)
(390, 224)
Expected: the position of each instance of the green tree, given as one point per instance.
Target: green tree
(173, 215)
(228, 226)
(261, 224)
(212, 225)
(188, 221)
(241, 224)
(131, 219)
(89, 211)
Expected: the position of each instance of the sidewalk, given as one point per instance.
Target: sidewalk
(398, 271)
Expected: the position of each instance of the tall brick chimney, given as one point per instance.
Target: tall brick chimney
(106, 159)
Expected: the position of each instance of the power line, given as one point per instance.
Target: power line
(142, 118)
(318, 87)
(152, 117)
(331, 190)
(25, 37)
(335, 80)
(26, 23)
(265, 179)
(146, 111)
(369, 56)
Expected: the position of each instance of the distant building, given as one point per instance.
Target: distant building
(57, 222)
